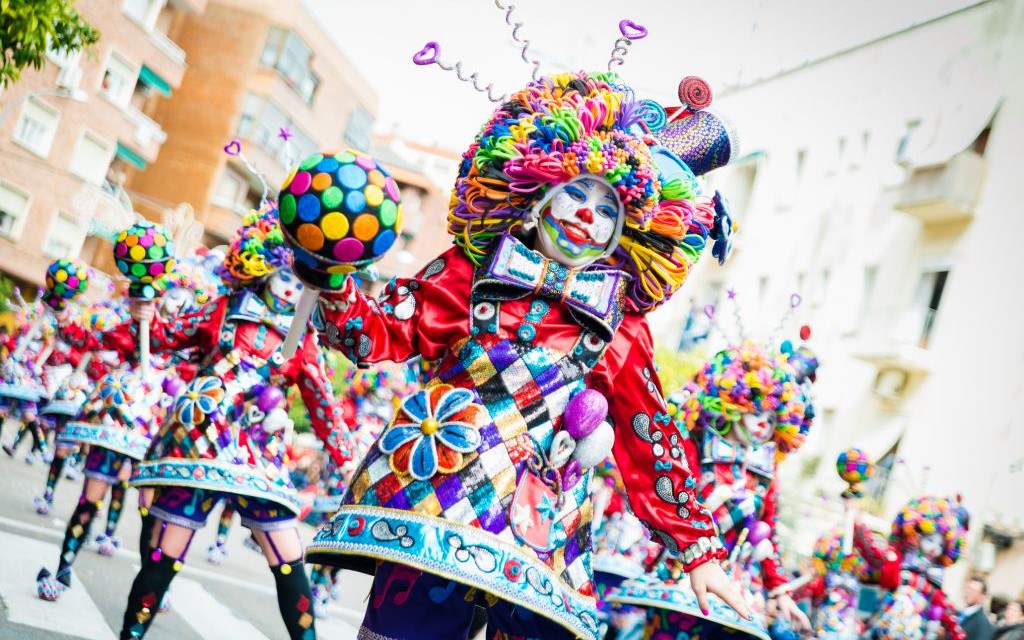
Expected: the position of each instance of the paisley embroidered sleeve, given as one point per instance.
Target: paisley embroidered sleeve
(318, 396)
(771, 567)
(875, 554)
(649, 450)
(423, 315)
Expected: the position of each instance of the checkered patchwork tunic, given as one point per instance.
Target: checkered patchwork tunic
(211, 438)
(462, 518)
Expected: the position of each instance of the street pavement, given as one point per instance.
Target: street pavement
(235, 599)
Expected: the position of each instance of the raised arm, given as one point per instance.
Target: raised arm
(649, 451)
(306, 369)
(421, 315)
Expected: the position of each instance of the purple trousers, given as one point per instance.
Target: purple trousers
(409, 604)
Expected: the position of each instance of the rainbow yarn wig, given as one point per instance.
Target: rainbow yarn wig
(257, 249)
(749, 379)
(564, 125)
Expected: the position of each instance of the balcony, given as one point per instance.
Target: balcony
(147, 132)
(947, 192)
(897, 341)
(168, 47)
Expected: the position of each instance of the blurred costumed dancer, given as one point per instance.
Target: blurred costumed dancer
(32, 377)
(74, 392)
(741, 416)
(928, 535)
(844, 559)
(571, 225)
(217, 442)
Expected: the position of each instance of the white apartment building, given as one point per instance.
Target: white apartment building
(883, 184)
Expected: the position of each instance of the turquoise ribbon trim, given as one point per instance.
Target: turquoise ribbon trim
(458, 552)
(117, 439)
(213, 475)
(680, 597)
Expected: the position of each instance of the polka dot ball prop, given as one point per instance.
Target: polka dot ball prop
(143, 252)
(854, 466)
(65, 281)
(340, 212)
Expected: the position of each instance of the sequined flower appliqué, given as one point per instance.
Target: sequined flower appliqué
(115, 390)
(200, 400)
(432, 431)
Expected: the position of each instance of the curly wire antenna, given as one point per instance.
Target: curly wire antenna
(630, 31)
(431, 54)
(234, 148)
(535, 63)
(794, 302)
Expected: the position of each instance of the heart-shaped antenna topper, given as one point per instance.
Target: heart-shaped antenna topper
(428, 54)
(233, 148)
(632, 30)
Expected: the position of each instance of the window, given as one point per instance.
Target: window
(261, 121)
(119, 80)
(13, 209)
(927, 299)
(36, 126)
(292, 58)
(870, 278)
(357, 133)
(92, 158)
(142, 12)
(307, 88)
(295, 58)
(65, 238)
(268, 58)
(233, 192)
(904, 144)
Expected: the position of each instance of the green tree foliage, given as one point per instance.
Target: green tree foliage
(676, 368)
(29, 27)
(6, 291)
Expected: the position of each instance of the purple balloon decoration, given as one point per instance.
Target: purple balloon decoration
(270, 399)
(571, 474)
(935, 612)
(761, 530)
(172, 385)
(584, 413)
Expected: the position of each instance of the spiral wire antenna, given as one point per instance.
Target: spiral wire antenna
(535, 63)
(631, 32)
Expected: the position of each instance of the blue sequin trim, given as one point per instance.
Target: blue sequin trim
(457, 552)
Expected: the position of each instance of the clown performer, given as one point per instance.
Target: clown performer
(32, 377)
(70, 398)
(743, 414)
(928, 535)
(570, 224)
(217, 441)
(844, 559)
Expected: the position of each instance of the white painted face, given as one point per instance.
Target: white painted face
(931, 546)
(176, 301)
(282, 290)
(758, 428)
(578, 221)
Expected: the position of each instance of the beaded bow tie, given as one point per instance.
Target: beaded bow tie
(250, 307)
(594, 297)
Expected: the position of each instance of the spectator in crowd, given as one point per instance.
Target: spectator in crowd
(974, 618)
(1011, 627)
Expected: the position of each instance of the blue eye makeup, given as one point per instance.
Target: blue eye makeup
(576, 194)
